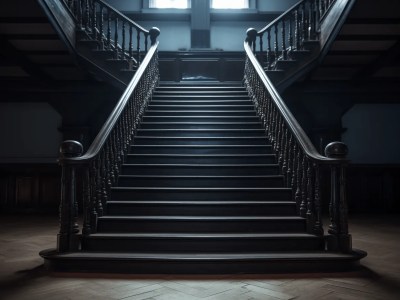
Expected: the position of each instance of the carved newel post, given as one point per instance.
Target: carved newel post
(339, 238)
(68, 237)
(154, 33)
(251, 38)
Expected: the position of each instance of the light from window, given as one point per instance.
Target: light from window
(182, 4)
(229, 4)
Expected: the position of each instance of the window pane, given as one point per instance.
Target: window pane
(229, 4)
(169, 4)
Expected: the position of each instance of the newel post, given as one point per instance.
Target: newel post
(251, 38)
(154, 33)
(68, 237)
(339, 238)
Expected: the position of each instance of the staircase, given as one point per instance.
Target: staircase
(200, 191)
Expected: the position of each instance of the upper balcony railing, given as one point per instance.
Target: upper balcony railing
(113, 30)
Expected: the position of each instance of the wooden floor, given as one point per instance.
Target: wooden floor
(22, 275)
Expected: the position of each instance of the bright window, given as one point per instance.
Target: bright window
(181, 4)
(229, 4)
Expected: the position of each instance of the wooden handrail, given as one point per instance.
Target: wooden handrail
(290, 120)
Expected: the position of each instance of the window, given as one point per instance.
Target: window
(181, 4)
(229, 4)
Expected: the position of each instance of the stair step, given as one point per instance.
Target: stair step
(202, 242)
(200, 170)
(201, 149)
(201, 224)
(201, 97)
(197, 263)
(200, 181)
(212, 101)
(153, 107)
(201, 158)
(195, 92)
(163, 118)
(202, 208)
(201, 112)
(201, 132)
(201, 125)
(200, 194)
(166, 140)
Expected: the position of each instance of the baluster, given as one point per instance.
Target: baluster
(285, 143)
(108, 30)
(87, 13)
(283, 31)
(94, 21)
(99, 191)
(261, 54)
(276, 44)
(130, 43)
(311, 23)
(146, 36)
(123, 40)
(294, 166)
(309, 196)
(269, 52)
(289, 160)
(138, 46)
(290, 33)
(116, 50)
(299, 172)
(303, 205)
(101, 30)
(93, 197)
(318, 229)
(86, 230)
(297, 29)
(78, 8)
(304, 24)
(317, 15)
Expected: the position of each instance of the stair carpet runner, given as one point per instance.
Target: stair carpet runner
(200, 192)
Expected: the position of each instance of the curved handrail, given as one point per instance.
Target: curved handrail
(109, 125)
(281, 17)
(290, 120)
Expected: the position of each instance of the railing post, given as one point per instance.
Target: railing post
(154, 33)
(251, 38)
(68, 237)
(339, 238)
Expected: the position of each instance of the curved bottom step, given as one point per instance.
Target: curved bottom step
(209, 263)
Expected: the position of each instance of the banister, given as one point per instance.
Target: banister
(291, 121)
(299, 161)
(101, 137)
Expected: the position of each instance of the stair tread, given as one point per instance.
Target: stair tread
(201, 123)
(204, 235)
(202, 218)
(204, 188)
(199, 137)
(210, 202)
(200, 176)
(201, 155)
(201, 129)
(204, 146)
(204, 165)
(292, 256)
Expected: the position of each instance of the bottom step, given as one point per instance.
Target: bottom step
(209, 263)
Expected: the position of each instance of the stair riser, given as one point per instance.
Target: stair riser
(192, 108)
(201, 133)
(200, 226)
(200, 141)
(201, 182)
(132, 209)
(200, 150)
(202, 245)
(199, 170)
(200, 100)
(199, 195)
(200, 112)
(165, 125)
(200, 119)
(149, 159)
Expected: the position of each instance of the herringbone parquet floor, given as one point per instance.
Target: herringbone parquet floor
(22, 275)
